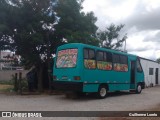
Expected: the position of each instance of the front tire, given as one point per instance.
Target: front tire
(102, 92)
(139, 89)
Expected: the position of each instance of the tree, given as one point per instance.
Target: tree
(4, 29)
(35, 28)
(74, 25)
(28, 35)
(158, 60)
(110, 38)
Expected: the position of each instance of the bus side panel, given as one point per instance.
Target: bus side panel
(90, 87)
(120, 80)
(90, 78)
(139, 77)
(115, 80)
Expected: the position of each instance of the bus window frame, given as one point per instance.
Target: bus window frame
(103, 58)
(119, 61)
(138, 60)
(89, 59)
(124, 56)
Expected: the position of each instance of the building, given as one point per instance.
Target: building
(151, 72)
(7, 60)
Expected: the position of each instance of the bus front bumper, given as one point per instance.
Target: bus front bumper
(68, 86)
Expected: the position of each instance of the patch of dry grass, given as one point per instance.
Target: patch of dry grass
(5, 88)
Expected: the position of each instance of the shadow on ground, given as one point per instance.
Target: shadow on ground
(92, 96)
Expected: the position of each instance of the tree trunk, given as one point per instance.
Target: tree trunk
(48, 60)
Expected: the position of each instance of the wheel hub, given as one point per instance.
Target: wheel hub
(139, 88)
(103, 92)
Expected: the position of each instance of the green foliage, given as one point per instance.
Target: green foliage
(6, 88)
(5, 82)
(74, 25)
(24, 21)
(110, 37)
(18, 84)
(158, 60)
(24, 84)
(22, 31)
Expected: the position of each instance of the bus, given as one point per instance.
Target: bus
(84, 68)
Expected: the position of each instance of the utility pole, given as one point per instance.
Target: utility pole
(125, 46)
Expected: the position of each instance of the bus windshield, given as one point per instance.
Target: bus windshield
(67, 58)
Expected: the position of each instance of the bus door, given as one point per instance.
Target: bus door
(139, 73)
(133, 74)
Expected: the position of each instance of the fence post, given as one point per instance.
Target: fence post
(20, 82)
(15, 83)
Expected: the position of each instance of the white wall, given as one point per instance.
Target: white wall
(6, 75)
(150, 79)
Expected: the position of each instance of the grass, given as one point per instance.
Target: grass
(10, 82)
(6, 88)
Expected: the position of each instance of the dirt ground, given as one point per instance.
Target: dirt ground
(157, 108)
(148, 100)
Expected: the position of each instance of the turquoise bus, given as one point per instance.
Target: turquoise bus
(89, 69)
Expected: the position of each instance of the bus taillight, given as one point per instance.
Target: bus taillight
(77, 78)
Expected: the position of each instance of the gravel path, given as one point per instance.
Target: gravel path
(149, 98)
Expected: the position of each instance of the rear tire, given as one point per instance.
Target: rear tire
(102, 92)
(139, 89)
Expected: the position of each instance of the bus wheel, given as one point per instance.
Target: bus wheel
(138, 89)
(102, 92)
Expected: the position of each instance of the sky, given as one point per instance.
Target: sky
(141, 19)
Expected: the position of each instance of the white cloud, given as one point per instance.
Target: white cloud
(144, 44)
(141, 18)
(157, 54)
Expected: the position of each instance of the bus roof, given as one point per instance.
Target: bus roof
(71, 45)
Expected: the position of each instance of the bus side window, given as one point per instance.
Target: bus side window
(89, 58)
(99, 56)
(124, 63)
(91, 54)
(86, 54)
(116, 58)
(120, 63)
(104, 60)
(123, 59)
(108, 57)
